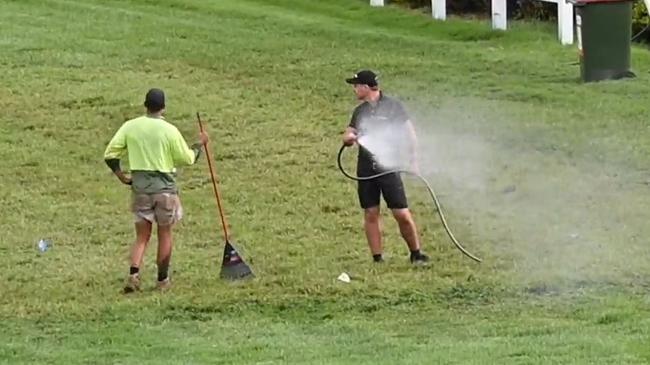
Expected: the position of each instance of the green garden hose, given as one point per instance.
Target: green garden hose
(431, 192)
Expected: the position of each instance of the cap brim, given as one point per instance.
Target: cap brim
(352, 81)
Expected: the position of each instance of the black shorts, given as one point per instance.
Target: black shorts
(390, 186)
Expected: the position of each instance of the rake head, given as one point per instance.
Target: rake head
(233, 266)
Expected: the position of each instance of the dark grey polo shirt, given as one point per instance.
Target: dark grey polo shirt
(387, 114)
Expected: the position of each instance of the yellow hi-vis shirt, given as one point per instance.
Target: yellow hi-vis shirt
(154, 148)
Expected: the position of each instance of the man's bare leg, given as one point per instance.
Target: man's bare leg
(409, 232)
(164, 254)
(372, 227)
(142, 236)
(407, 228)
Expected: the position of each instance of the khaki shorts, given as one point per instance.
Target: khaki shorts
(162, 208)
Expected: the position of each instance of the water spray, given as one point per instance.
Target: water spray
(431, 192)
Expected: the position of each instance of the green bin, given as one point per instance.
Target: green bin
(604, 32)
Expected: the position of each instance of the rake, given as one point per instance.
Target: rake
(233, 266)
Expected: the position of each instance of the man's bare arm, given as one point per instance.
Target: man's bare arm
(413, 146)
(114, 165)
(349, 136)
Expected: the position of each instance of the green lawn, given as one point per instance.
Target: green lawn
(543, 177)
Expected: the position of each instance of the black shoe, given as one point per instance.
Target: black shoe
(378, 258)
(420, 258)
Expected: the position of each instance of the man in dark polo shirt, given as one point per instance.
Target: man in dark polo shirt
(377, 113)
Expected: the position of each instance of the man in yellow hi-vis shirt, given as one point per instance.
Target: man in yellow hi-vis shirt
(154, 148)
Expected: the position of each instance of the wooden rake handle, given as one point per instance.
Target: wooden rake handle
(214, 183)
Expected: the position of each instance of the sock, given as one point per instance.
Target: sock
(415, 253)
(377, 257)
(162, 273)
(134, 270)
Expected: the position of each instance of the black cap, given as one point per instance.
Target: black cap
(155, 100)
(365, 77)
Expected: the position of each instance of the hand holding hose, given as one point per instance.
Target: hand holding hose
(350, 137)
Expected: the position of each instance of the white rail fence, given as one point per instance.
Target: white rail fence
(499, 16)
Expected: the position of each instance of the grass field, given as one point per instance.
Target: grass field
(543, 177)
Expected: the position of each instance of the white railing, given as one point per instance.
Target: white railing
(499, 16)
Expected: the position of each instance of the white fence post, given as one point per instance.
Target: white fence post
(499, 14)
(565, 21)
(439, 9)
